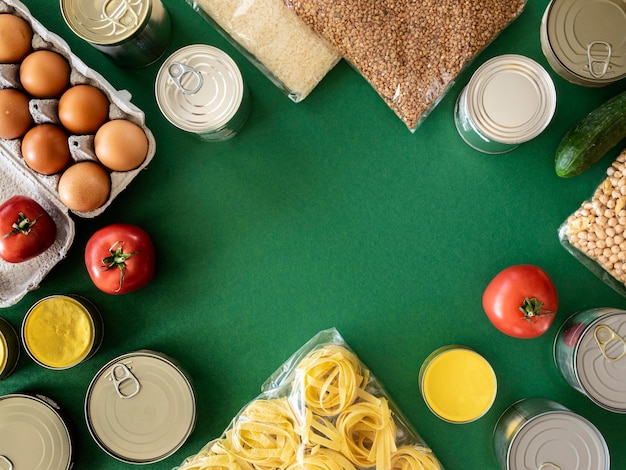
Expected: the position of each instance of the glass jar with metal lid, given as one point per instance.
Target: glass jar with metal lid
(9, 348)
(584, 41)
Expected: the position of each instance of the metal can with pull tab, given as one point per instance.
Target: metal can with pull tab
(133, 33)
(590, 354)
(200, 89)
(584, 41)
(140, 407)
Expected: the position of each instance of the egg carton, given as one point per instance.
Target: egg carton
(18, 179)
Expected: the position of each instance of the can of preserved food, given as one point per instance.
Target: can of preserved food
(200, 89)
(590, 353)
(140, 407)
(133, 33)
(541, 434)
(61, 331)
(509, 100)
(34, 430)
(457, 384)
(584, 40)
(9, 348)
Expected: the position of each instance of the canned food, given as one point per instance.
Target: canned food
(590, 353)
(584, 40)
(34, 431)
(200, 89)
(61, 331)
(509, 100)
(140, 407)
(536, 433)
(9, 349)
(457, 384)
(132, 33)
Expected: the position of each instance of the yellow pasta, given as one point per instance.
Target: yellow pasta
(414, 458)
(369, 433)
(214, 457)
(320, 458)
(317, 431)
(329, 380)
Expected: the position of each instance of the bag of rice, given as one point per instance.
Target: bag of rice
(274, 39)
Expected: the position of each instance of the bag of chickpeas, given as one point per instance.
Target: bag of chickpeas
(595, 233)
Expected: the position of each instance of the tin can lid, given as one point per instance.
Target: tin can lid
(587, 38)
(601, 361)
(511, 99)
(558, 439)
(199, 88)
(140, 407)
(32, 434)
(105, 22)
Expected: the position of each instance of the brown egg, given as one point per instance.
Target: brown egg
(16, 37)
(15, 118)
(46, 150)
(83, 109)
(84, 186)
(121, 145)
(45, 74)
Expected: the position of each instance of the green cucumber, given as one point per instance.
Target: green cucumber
(592, 137)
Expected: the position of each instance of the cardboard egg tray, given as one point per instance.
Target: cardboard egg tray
(18, 179)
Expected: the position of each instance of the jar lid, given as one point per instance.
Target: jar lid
(511, 99)
(601, 361)
(140, 408)
(587, 38)
(558, 439)
(105, 22)
(199, 89)
(33, 433)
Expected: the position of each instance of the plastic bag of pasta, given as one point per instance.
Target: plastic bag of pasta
(322, 409)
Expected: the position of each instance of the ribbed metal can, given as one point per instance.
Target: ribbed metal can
(200, 89)
(133, 33)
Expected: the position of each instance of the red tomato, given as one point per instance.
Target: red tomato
(120, 258)
(521, 301)
(27, 229)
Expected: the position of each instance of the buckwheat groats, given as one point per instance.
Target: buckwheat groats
(410, 51)
(596, 232)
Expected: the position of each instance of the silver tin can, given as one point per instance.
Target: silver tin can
(509, 100)
(9, 348)
(584, 41)
(590, 353)
(200, 89)
(140, 407)
(61, 331)
(536, 433)
(133, 33)
(34, 430)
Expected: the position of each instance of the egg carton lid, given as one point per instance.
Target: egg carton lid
(16, 280)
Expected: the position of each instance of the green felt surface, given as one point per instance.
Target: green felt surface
(327, 213)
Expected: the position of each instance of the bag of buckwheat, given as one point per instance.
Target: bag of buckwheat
(410, 51)
(274, 39)
(595, 233)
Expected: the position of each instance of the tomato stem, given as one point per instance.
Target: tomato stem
(23, 225)
(532, 308)
(117, 260)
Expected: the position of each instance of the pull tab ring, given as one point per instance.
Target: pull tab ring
(177, 71)
(122, 15)
(598, 65)
(4, 458)
(120, 374)
(549, 466)
(605, 336)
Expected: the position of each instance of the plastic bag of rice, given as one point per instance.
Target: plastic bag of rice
(274, 39)
(410, 51)
(595, 233)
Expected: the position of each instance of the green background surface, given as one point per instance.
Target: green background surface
(330, 213)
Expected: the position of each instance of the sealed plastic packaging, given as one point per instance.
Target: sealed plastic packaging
(321, 409)
(274, 39)
(410, 52)
(595, 233)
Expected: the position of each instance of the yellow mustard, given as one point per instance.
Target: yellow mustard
(58, 332)
(459, 385)
(4, 353)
